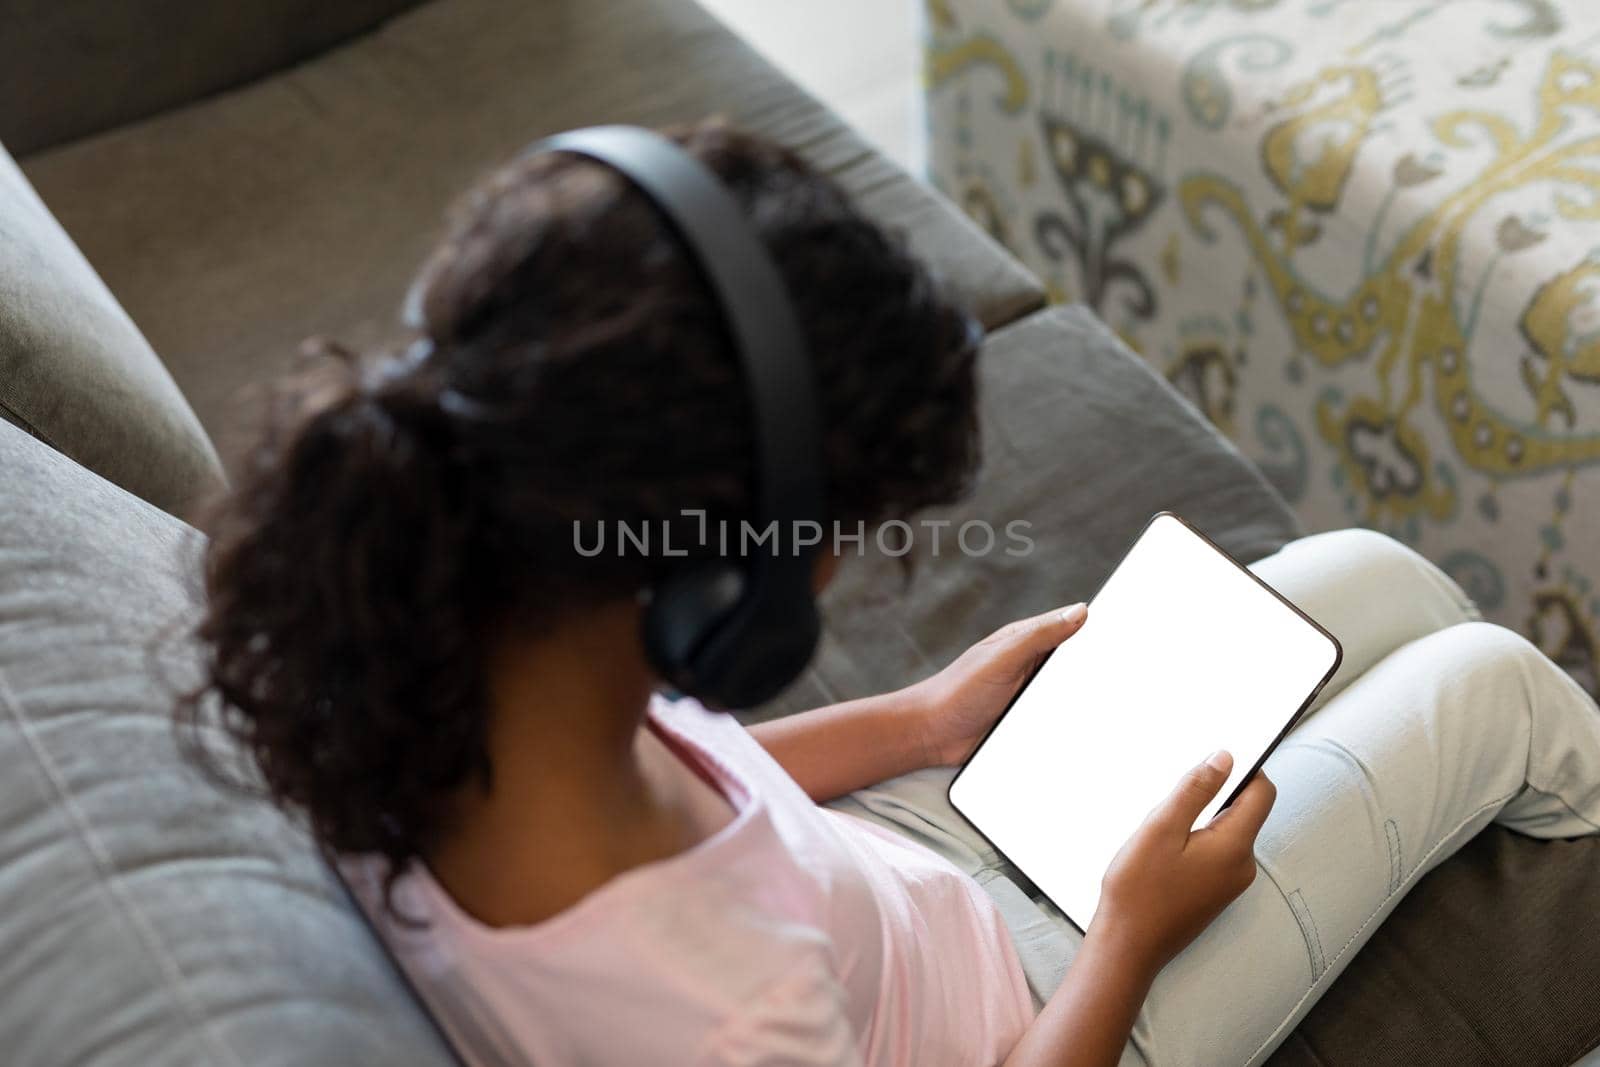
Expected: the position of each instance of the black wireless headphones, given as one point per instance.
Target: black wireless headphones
(734, 632)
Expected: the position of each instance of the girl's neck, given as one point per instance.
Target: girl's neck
(570, 803)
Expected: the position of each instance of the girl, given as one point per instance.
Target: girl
(575, 870)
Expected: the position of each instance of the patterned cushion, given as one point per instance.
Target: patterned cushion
(1360, 235)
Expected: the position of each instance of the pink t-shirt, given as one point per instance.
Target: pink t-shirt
(794, 935)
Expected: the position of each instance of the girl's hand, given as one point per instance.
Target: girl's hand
(959, 704)
(1168, 883)
(1164, 887)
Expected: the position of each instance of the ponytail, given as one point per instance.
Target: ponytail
(341, 630)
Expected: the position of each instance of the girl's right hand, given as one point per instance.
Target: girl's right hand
(1168, 883)
(1164, 887)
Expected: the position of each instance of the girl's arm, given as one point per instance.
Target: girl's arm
(844, 747)
(838, 749)
(1088, 1020)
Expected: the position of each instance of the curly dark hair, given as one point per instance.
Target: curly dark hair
(403, 505)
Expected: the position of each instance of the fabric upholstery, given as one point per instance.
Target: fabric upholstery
(1361, 236)
(71, 68)
(303, 203)
(145, 916)
(1082, 441)
(75, 372)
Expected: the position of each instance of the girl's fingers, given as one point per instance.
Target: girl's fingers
(1042, 633)
(1185, 803)
(1248, 812)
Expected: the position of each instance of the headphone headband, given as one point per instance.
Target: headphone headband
(762, 326)
(734, 635)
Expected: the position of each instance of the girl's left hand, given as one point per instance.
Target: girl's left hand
(961, 702)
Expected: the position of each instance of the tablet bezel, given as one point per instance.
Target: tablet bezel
(1338, 660)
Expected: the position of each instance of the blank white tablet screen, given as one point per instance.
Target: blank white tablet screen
(1183, 653)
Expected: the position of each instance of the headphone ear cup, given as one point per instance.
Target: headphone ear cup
(768, 651)
(686, 611)
(761, 647)
(711, 636)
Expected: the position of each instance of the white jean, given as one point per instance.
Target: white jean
(1435, 725)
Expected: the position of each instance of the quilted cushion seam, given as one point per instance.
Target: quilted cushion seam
(140, 923)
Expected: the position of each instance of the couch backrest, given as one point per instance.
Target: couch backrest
(70, 68)
(75, 371)
(147, 917)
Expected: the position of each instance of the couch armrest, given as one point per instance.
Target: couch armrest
(78, 375)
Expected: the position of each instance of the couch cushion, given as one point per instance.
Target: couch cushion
(145, 916)
(70, 68)
(77, 374)
(1082, 441)
(303, 203)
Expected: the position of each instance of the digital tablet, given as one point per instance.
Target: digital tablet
(1184, 652)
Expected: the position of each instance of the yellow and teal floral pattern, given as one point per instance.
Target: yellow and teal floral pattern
(1363, 237)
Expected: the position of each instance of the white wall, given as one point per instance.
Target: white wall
(859, 56)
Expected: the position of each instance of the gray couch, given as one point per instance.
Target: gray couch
(243, 175)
